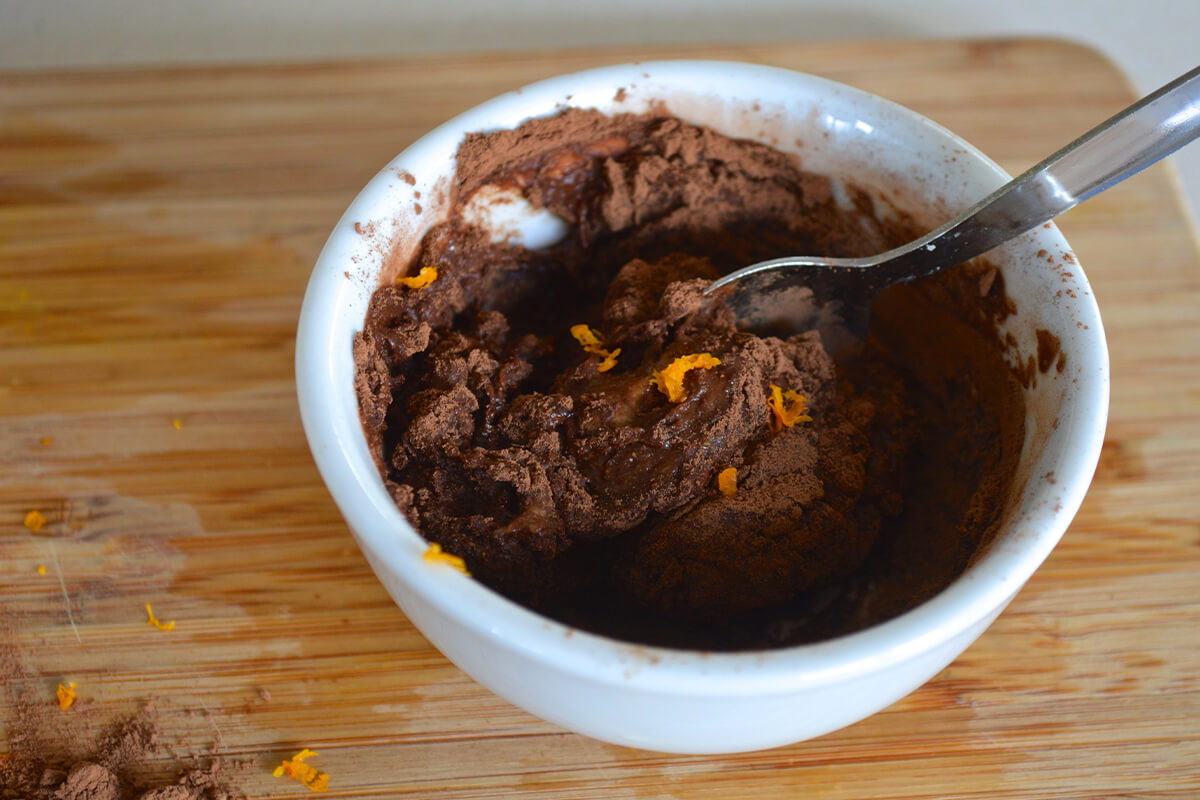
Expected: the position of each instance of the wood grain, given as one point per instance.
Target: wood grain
(157, 228)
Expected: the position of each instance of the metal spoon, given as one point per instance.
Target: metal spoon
(842, 288)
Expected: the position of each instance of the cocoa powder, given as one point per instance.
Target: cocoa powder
(590, 496)
(46, 759)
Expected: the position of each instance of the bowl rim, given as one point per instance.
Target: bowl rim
(383, 533)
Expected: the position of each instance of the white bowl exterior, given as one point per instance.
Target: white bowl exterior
(686, 701)
(652, 719)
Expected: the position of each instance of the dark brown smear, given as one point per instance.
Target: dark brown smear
(591, 498)
(1049, 350)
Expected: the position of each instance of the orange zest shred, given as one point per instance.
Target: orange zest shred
(34, 521)
(587, 337)
(787, 408)
(609, 361)
(66, 695)
(177, 424)
(727, 481)
(152, 620)
(46, 441)
(434, 554)
(426, 276)
(592, 342)
(669, 380)
(296, 769)
(41, 569)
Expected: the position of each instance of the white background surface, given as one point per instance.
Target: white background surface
(1152, 41)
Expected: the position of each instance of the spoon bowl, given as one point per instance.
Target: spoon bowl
(834, 294)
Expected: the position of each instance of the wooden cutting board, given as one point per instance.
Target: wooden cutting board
(157, 228)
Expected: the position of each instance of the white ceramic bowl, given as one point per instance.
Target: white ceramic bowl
(690, 701)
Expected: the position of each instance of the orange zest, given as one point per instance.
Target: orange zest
(296, 769)
(434, 554)
(669, 380)
(34, 521)
(66, 695)
(152, 620)
(787, 408)
(592, 342)
(727, 481)
(426, 276)
(587, 337)
(609, 361)
(41, 569)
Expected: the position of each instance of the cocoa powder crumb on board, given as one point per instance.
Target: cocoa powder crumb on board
(49, 756)
(109, 770)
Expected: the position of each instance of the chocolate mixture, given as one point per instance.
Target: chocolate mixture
(592, 496)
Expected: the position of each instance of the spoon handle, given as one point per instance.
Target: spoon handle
(1154, 127)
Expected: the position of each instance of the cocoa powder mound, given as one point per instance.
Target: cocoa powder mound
(592, 497)
(109, 770)
(46, 760)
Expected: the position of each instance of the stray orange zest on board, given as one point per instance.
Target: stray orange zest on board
(787, 408)
(178, 424)
(41, 569)
(66, 695)
(34, 521)
(426, 276)
(727, 481)
(592, 342)
(434, 554)
(669, 380)
(307, 774)
(152, 620)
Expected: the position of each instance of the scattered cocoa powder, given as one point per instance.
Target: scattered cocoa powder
(47, 760)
